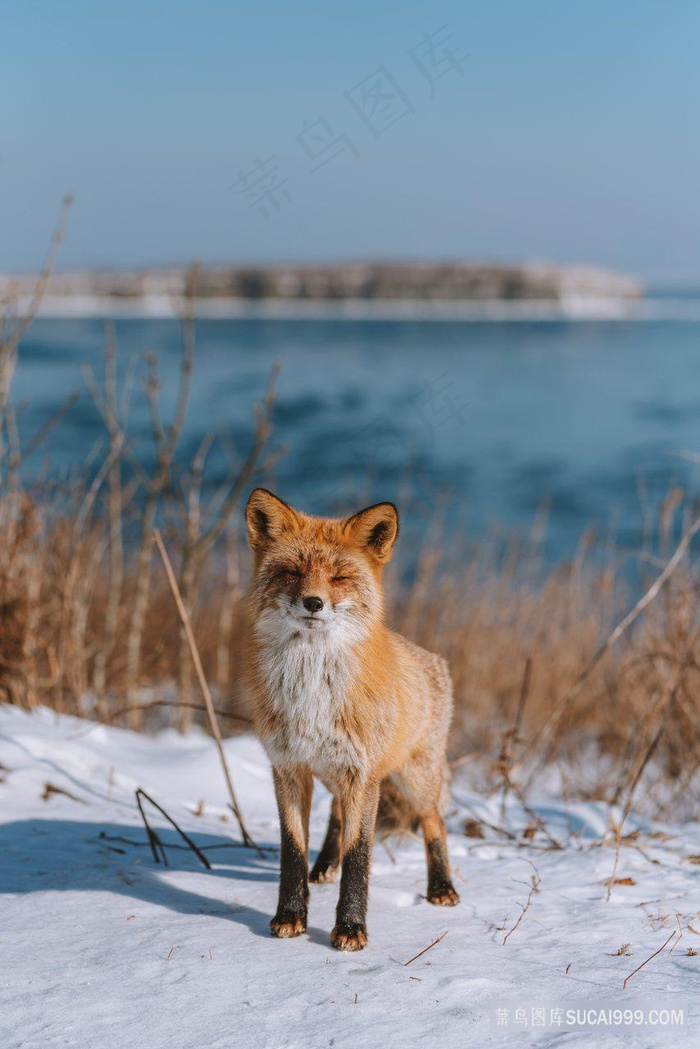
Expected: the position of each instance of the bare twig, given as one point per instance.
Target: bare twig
(628, 806)
(506, 758)
(114, 417)
(537, 820)
(9, 341)
(104, 836)
(651, 956)
(534, 886)
(204, 525)
(51, 788)
(503, 831)
(153, 837)
(506, 761)
(426, 949)
(42, 433)
(216, 732)
(232, 594)
(156, 486)
(175, 706)
(40, 288)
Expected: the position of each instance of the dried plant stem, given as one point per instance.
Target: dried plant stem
(628, 806)
(107, 403)
(544, 737)
(153, 838)
(214, 724)
(506, 758)
(10, 343)
(426, 949)
(228, 605)
(140, 608)
(104, 836)
(175, 706)
(200, 535)
(534, 887)
(166, 443)
(651, 956)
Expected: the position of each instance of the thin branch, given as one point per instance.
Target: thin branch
(426, 949)
(175, 706)
(216, 732)
(651, 956)
(153, 837)
(628, 806)
(104, 836)
(187, 359)
(227, 501)
(535, 883)
(40, 288)
(510, 738)
(53, 421)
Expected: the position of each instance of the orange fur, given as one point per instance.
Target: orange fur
(338, 695)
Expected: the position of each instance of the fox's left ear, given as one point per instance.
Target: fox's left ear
(375, 528)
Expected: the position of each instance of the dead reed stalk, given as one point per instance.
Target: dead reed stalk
(211, 713)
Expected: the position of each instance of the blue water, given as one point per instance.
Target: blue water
(493, 421)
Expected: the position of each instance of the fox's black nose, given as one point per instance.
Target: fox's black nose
(313, 604)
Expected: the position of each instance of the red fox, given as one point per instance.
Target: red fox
(339, 696)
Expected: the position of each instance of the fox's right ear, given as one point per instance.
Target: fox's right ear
(266, 518)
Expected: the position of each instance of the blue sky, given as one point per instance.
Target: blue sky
(571, 135)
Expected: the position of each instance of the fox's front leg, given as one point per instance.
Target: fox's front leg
(359, 816)
(293, 788)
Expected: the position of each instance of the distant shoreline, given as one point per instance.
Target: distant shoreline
(165, 307)
(367, 288)
(464, 292)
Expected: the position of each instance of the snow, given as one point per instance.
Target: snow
(104, 949)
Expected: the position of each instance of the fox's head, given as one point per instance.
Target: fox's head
(317, 574)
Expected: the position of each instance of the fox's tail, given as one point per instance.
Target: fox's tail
(396, 815)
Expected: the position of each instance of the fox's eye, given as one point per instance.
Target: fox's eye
(340, 579)
(291, 573)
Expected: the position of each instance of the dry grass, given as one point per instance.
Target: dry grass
(57, 593)
(636, 713)
(519, 646)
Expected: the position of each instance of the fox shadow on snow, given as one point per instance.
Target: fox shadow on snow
(53, 855)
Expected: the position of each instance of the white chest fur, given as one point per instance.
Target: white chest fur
(307, 677)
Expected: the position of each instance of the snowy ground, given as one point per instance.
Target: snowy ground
(103, 949)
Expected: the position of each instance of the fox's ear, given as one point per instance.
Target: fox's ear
(375, 528)
(267, 517)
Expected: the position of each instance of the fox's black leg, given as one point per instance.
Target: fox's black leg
(359, 818)
(441, 891)
(326, 866)
(293, 788)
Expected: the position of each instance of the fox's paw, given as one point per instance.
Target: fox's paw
(323, 873)
(349, 937)
(443, 896)
(286, 924)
